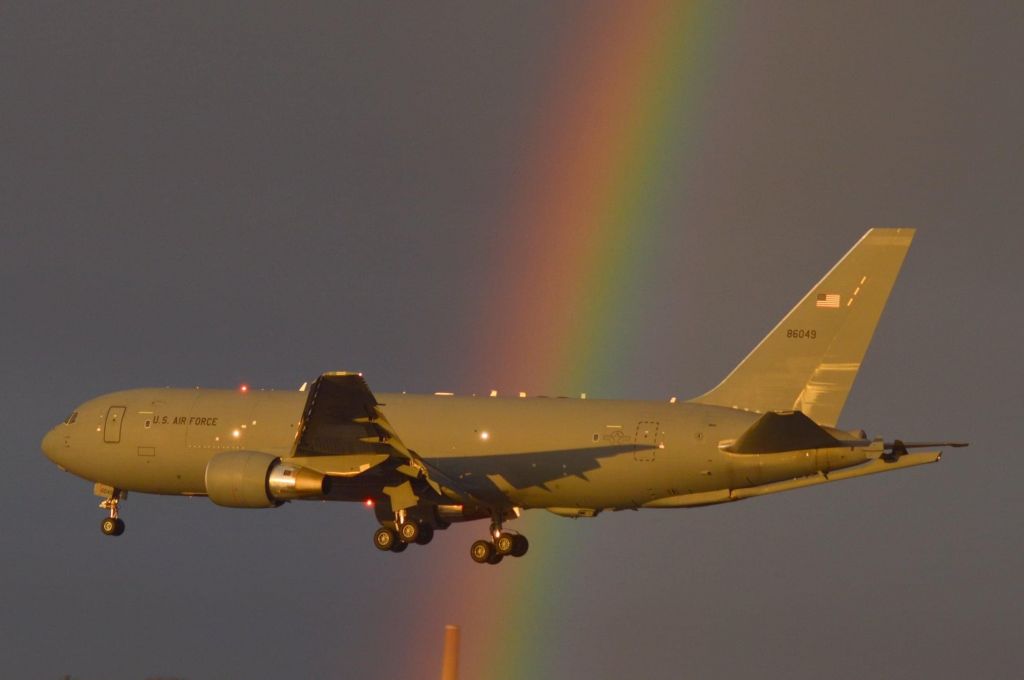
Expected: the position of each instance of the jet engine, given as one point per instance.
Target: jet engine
(252, 479)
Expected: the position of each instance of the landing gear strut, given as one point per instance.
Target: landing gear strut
(112, 525)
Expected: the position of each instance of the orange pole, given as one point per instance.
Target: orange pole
(450, 664)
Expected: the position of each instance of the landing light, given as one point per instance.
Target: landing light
(236, 433)
(485, 435)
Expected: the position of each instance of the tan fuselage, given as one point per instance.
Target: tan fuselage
(532, 452)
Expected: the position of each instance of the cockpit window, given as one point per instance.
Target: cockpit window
(71, 418)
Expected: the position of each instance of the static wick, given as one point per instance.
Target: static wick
(450, 663)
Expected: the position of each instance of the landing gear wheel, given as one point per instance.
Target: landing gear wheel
(504, 544)
(409, 531)
(112, 526)
(481, 551)
(385, 539)
(520, 547)
(399, 546)
(426, 534)
(496, 558)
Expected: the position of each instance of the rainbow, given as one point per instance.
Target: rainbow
(607, 168)
(606, 165)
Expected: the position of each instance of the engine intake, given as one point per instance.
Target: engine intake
(253, 479)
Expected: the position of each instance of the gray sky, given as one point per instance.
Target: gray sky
(209, 194)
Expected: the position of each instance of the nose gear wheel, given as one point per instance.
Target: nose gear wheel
(112, 525)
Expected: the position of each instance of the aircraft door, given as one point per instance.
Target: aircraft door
(112, 428)
(646, 442)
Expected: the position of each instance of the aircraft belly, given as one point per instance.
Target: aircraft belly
(169, 472)
(619, 482)
(183, 474)
(561, 453)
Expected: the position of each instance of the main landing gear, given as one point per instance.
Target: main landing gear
(112, 525)
(503, 543)
(404, 530)
(409, 531)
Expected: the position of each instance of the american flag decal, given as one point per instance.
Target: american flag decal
(827, 300)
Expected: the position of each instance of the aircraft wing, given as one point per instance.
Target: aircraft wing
(341, 417)
(342, 421)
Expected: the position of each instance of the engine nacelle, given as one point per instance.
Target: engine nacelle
(252, 479)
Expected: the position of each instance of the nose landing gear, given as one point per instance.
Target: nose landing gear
(112, 525)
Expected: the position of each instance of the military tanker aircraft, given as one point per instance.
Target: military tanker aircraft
(425, 461)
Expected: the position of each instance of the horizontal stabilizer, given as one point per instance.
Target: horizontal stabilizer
(782, 431)
(694, 500)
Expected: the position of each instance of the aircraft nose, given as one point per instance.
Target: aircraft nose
(51, 444)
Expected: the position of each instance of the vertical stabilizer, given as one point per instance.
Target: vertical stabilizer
(809, 361)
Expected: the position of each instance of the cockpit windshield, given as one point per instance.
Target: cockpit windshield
(71, 418)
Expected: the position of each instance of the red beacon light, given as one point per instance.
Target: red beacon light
(368, 502)
(243, 388)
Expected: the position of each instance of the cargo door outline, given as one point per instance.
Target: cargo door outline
(645, 441)
(112, 426)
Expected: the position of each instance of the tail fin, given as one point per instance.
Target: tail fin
(809, 361)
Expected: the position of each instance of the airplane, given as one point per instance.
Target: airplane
(423, 462)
